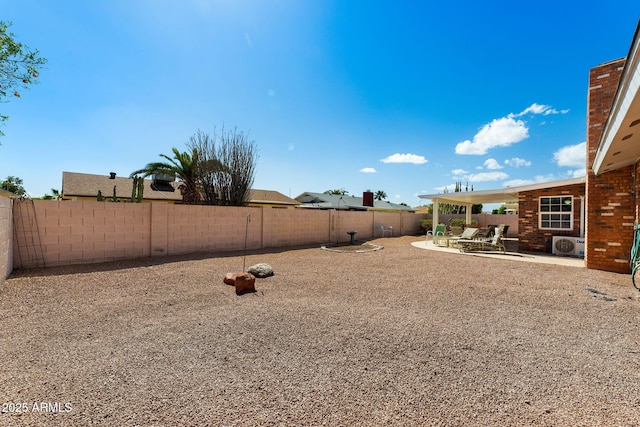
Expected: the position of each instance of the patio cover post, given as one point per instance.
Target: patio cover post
(467, 211)
(436, 211)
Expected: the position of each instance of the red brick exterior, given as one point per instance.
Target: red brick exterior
(610, 196)
(530, 237)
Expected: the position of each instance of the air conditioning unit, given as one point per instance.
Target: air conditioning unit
(567, 245)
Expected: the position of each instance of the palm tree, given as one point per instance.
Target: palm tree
(380, 195)
(183, 166)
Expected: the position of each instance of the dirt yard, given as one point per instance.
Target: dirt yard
(399, 337)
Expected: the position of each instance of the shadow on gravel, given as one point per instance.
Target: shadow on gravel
(144, 262)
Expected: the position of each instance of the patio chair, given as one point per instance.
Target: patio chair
(485, 234)
(438, 234)
(494, 244)
(384, 230)
(469, 233)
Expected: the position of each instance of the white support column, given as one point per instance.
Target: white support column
(436, 211)
(468, 213)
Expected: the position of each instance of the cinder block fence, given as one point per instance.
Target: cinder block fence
(52, 233)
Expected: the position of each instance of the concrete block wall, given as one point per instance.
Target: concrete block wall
(6, 238)
(209, 228)
(51, 233)
(610, 196)
(346, 221)
(295, 227)
(530, 237)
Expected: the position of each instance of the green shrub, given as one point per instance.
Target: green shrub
(426, 225)
(457, 222)
(461, 222)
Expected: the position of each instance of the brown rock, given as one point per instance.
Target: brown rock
(230, 279)
(245, 283)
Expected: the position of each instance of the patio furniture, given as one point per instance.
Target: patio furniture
(384, 230)
(484, 234)
(438, 234)
(495, 244)
(468, 234)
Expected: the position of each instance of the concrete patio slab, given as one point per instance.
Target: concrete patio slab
(511, 254)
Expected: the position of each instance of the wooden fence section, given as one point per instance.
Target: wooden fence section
(52, 233)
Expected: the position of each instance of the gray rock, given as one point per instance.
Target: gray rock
(261, 270)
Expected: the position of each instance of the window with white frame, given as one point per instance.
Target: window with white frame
(556, 213)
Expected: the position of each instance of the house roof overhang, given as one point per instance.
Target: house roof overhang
(502, 195)
(619, 144)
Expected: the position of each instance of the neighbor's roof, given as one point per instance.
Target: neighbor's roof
(267, 197)
(7, 193)
(87, 185)
(501, 195)
(620, 141)
(336, 201)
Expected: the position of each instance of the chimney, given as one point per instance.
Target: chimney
(367, 199)
(112, 175)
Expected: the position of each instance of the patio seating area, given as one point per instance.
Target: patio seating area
(510, 252)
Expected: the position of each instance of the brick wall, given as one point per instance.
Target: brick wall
(6, 238)
(610, 196)
(50, 233)
(530, 237)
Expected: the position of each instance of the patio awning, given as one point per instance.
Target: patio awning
(501, 195)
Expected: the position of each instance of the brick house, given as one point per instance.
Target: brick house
(613, 154)
(605, 206)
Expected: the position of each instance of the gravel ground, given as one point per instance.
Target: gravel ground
(400, 336)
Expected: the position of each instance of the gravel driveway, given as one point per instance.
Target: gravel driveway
(398, 337)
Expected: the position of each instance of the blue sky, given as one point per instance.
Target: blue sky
(402, 96)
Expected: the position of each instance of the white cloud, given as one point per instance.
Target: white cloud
(492, 164)
(499, 133)
(536, 179)
(449, 187)
(459, 172)
(577, 173)
(517, 162)
(504, 131)
(571, 155)
(247, 38)
(405, 158)
(487, 176)
(368, 170)
(536, 108)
